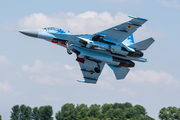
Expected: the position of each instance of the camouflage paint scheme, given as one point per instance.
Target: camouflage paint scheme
(114, 46)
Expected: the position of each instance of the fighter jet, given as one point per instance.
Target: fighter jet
(114, 46)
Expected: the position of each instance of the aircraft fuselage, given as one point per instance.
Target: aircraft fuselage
(113, 53)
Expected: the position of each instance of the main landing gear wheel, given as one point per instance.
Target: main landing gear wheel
(69, 52)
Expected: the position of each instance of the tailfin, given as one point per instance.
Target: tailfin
(142, 45)
(129, 40)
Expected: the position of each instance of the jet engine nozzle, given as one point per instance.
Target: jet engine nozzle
(127, 64)
(30, 32)
(135, 54)
(124, 63)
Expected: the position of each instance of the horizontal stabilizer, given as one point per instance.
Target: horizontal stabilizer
(142, 45)
(119, 72)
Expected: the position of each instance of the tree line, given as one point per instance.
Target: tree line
(169, 113)
(27, 113)
(116, 111)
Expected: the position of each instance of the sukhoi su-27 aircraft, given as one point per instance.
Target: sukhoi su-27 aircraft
(114, 46)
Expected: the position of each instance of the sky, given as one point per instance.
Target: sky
(35, 72)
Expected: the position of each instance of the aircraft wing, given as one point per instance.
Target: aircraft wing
(122, 31)
(87, 68)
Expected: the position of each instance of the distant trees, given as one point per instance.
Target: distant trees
(68, 112)
(169, 113)
(21, 113)
(27, 113)
(35, 114)
(0, 117)
(82, 111)
(45, 113)
(116, 111)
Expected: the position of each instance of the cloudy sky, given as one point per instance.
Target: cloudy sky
(36, 73)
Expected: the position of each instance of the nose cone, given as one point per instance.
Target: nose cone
(30, 32)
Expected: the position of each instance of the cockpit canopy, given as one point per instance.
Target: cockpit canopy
(55, 30)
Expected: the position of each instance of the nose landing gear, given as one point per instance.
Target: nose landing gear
(68, 50)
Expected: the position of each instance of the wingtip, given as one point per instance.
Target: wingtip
(137, 17)
(80, 80)
(84, 81)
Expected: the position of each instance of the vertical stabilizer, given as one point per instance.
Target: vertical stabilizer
(129, 40)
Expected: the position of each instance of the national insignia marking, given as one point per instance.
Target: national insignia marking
(113, 50)
(91, 73)
(129, 26)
